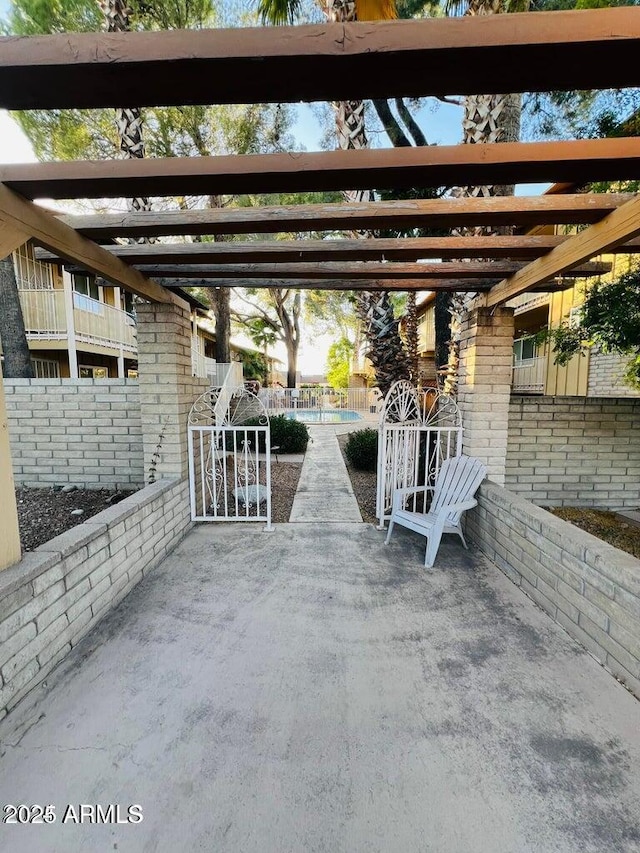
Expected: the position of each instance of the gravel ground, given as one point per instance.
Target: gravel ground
(603, 524)
(45, 513)
(364, 486)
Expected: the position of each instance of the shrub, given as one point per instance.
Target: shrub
(288, 436)
(361, 449)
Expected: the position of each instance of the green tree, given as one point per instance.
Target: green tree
(609, 320)
(254, 366)
(274, 311)
(331, 312)
(339, 363)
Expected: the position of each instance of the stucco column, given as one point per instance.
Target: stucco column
(166, 387)
(484, 387)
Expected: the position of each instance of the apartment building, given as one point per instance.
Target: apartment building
(589, 374)
(80, 327)
(76, 326)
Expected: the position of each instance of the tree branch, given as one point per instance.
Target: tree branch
(391, 125)
(447, 100)
(410, 123)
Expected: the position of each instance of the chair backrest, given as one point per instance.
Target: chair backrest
(458, 480)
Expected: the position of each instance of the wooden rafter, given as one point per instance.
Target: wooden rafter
(325, 62)
(366, 269)
(620, 225)
(304, 251)
(518, 211)
(582, 160)
(10, 237)
(404, 284)
(50, 232)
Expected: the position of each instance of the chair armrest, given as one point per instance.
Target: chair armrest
(412, 489)
(461, 507)
(399, 495)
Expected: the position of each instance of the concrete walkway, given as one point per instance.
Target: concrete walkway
(313, 690)
(324, 489)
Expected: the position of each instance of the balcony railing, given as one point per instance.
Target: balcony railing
(44, 315)
(94, 321)
(529, 375)
(102, 324)
(527, 301)
(216, 372)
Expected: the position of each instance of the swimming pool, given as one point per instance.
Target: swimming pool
(323, 416)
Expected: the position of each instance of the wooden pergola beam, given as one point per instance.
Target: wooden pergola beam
(11, 238)
(364, 270)
(323, 62)
(620, 225)
(582, 160)
(50, 232)
(405, 284)
(305, 251)
(517, 211)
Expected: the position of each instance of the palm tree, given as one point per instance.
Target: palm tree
(128, 120)
(375, 310)
(486, 119)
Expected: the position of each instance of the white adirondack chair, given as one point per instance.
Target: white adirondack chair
(456, 484)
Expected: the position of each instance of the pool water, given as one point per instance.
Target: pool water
(323, 416)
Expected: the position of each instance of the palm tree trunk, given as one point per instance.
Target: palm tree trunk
(129, 120)
(17, 360)
(487, 119)
(375, 310)
(411, 335)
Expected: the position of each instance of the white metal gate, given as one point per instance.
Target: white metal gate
(229, 457)
(417, 432)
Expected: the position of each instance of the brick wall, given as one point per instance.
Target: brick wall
(52, 598)
(82, 431)
(484, 388)
(575, 451)
(605, 376)
(589, 587)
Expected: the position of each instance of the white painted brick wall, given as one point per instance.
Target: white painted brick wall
(605, 376)
(55, 595)
(575, 451)
(589, 587)
(81, 431)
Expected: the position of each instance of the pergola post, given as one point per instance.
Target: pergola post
(166, 387)
(485, 368)
(9, 532)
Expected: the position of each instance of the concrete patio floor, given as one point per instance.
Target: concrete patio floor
(312, 690)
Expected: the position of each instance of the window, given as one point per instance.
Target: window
(44, 368)
(524, 348)
(126, 299)
(86, 294)
(88, 372)
(86, 285)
